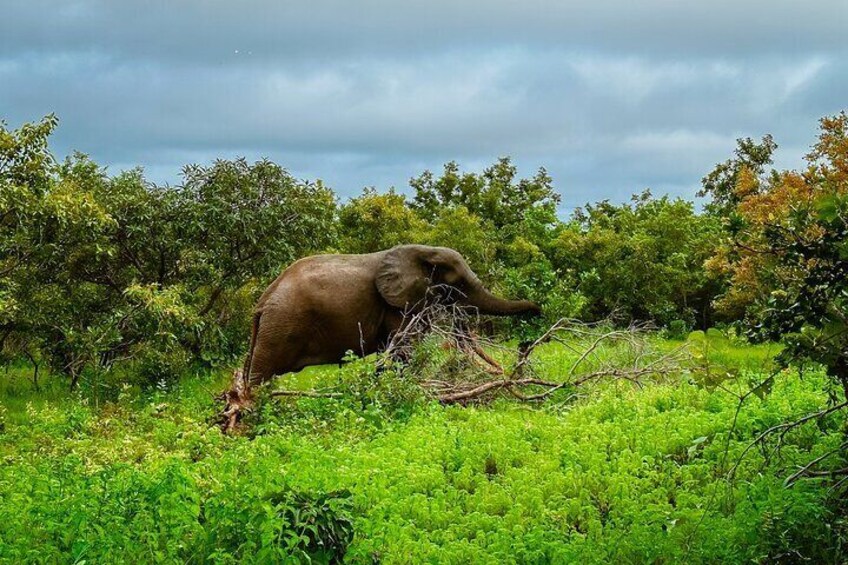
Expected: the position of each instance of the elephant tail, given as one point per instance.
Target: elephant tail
(253, 333)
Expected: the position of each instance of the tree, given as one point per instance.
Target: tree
(96, 268)
(495, 195)
(244, 221)
(372, 222)
(26, 166)
(643, 260)
(52, 227)
(750, 159)
(787, 254)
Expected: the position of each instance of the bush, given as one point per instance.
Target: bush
(678, 329)
(315, 527)
(360, 394)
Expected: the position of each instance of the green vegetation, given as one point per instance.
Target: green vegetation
(623, 474)
(125, 305)
(98, 270)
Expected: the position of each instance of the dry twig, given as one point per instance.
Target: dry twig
(781, 430)
(484, 377)
(586, 341)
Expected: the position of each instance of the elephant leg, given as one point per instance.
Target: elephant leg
(260, 366)
(397, 348)
(274, 350)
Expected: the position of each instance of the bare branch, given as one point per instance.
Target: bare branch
(306, 393)
(585, 341)
(805, 471)
(784, 428)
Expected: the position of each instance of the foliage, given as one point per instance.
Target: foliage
(312, 527)
(358, 392)
(643, 260)
(495, 194)
(53, 228)
(373, 222)
(95, 269)
(787, 253)
(621, 475)
(750, 159)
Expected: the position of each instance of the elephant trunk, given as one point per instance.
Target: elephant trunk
(487, 303)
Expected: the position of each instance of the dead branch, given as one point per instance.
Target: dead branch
(448, 394)
(306, 393)
(596, 351)
(585, 341)
(806, 470)
(238, 401)
(482, 389)
(783, 429)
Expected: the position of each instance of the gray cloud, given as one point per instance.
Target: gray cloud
(207, 30)
(610, 97)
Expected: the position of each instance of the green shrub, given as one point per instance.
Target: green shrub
(159, 369)
(315, 527)
(678, 329)
(362, 394)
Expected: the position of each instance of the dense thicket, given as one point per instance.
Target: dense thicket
(97, 268)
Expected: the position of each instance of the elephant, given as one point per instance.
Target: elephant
(323, 306)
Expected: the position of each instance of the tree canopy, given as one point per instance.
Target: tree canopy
(96, 268)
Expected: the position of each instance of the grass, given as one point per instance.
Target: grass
(635, 476)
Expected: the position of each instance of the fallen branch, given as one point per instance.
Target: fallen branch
(307, 393)
(805, 471)
(461, 396)
(482, 376)
(237, 401)
(568, 332)
(784, 429)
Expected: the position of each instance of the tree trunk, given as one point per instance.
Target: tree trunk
(74, 379)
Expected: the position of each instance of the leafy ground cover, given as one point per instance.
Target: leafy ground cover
(610, 472)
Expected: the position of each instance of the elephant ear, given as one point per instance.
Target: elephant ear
(405, 275)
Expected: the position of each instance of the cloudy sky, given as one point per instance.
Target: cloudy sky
(611, 97)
